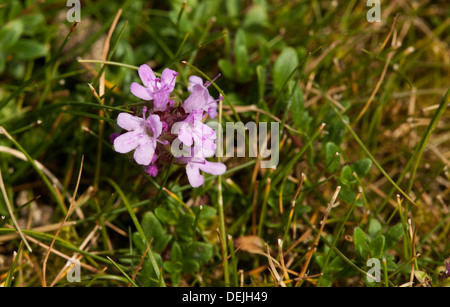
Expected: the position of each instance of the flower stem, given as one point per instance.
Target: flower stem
(223, 234)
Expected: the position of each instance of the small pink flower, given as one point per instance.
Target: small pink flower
(200, 99)
(154, 88)
(194, 132)
(142, 136)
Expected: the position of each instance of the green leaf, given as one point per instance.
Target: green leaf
(374, 228)
(285, 64)
(166, 216)
(226, 68)
(147, 276)
(297, 107)
(240, 39)
(27, 49)
(233, 7)
(256, 16)
(32, 23)
(10, 34)
(2, 63)
(173, 267)
(336, 131)
(153, 229)
(347, 178)
(185, 227)
(362, 167)
(393, 235)
(198, 251)
(390, 262)
(334, 266)
(348, 196)
(422, 277)
(331, 159)
(175, 253)
(190, 266)
(376, 247)
(206, 213)
(138, 241)
(361, 241)
(241, 56)
(261, 75)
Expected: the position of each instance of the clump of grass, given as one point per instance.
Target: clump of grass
(363, 168)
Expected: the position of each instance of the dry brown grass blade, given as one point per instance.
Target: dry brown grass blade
(44, 266)
(273, 269)
(42, 229)
(105, 55)
(60, 254)
(281, 256)
(141, 262)
(76, 256)
(310, 253)
(11, 212)
(383, 74)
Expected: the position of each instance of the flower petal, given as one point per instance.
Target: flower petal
(208, 132)
(197, 100)
(140, 91)
(156, 124)
(185, 135)
(194, 176)
(208, 149)
(168, 78)
(160, 100)
(194, 80)
(143, 155)
(212, 112)
(126, 142)
(147, 75)
(128, 122)
(213, 168)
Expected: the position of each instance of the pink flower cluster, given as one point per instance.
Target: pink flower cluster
(151, 134)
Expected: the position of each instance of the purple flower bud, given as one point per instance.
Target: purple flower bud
(151, 170)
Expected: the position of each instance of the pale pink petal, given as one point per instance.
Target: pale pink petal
(147, 75)
(212, 112)
(156, 124)
(126, 142)
(143, 155)
(168, 78)
(128, 122)
(160, 100)
(208, 149)
(194, 176)
(208, 132)
(194, 80)
(140, 91)
(185, 135)
(197, 100)
(213, 168)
